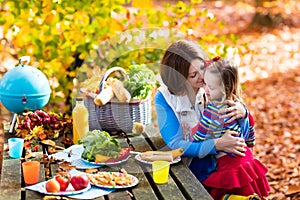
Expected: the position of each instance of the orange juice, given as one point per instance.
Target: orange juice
(31, 172)
(80, 117)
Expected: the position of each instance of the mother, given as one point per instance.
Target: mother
(179, 103)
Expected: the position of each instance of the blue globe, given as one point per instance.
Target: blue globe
(24, 88)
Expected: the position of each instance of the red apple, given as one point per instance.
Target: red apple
(63, 179)
(80, 181)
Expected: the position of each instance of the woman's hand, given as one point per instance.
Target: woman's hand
(236, 110)
(231, 144)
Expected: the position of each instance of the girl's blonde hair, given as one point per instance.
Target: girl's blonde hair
(228, 72)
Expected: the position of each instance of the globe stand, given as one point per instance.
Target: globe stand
(13, 123)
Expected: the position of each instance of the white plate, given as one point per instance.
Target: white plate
(41, 187)
(106, 163)
(135, 182)
(138, 157)
(80, 164)
(69, 191)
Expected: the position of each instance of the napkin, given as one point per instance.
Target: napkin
(75, 157)
(92, 193)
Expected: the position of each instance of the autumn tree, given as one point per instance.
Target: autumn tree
(59, 35)
(267, 13)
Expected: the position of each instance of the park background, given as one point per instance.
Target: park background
(263, 36)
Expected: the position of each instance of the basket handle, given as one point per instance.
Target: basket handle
(108, 73)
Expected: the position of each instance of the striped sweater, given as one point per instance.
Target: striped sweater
(211, 126)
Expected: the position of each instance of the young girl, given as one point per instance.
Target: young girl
(234, 174)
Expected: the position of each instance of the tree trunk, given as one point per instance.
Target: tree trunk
(266, 16)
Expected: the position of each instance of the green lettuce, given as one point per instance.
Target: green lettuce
(99, 142)
(141, 80)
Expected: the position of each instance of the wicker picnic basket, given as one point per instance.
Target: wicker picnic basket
(116, 116)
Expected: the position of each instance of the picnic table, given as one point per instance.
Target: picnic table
(182, 184)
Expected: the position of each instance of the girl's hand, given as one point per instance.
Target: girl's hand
(186, 129)
(236, 110)
(230, 143)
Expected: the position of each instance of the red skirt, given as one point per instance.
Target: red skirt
(238, 175)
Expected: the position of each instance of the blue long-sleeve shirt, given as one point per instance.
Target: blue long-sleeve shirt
(203, 152)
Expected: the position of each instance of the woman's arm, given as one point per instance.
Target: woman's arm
(236, 110)
(173, 136)
(230, 143)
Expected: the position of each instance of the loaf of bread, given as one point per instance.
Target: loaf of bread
(104, 96)
(120, 92)
(150, 157)
(162, 155)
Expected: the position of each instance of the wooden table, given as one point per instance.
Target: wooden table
(182, 184)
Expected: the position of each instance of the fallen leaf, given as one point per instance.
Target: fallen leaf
(292, 189)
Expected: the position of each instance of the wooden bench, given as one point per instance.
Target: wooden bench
(182, 184)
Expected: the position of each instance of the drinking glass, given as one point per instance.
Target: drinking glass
(15, 146)
(160, 170)
(31, 172)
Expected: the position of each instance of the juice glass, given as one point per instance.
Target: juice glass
(160, 170)
(31, 172)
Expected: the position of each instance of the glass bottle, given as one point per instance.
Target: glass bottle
(80, 117)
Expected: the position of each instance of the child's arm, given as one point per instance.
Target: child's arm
(248, 129)
(251, 138)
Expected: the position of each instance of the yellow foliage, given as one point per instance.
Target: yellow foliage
(115, 27)
(55, 32)
(37, 130)
(49, 18)
(80, 18)
(196, 1)
(83, 55)
(180, 7)
(142, 3)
